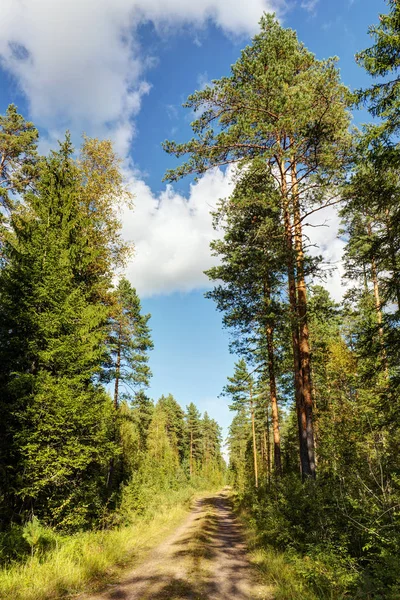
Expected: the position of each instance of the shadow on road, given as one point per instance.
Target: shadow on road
(205, 560)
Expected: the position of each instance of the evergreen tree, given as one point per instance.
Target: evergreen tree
(57, 418)
(252, 254)
(238, 441)
(282, 105)
(18, 155)
(142, 412)
(194, 436)
(162, 460)
(381, 61)
(241, 391)
(211, 439)
(129, 342)
(175, 424)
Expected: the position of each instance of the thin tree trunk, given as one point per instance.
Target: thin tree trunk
(268, 448)
(191, 454)
(305, 356)
(118, 368)
(393, 259)
(253, 427)
(378, 309)
(272, 389)
(298, 380)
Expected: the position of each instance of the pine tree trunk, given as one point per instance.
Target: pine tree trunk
(298, 380)
(118, 368)
(393, 258)
(272, 389)
(268, 449)
(378, 309)
(191, 455)
(305, 357)
(253, 427)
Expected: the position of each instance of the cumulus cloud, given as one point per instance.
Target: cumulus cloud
(172, 234)
(80, 64)
(322, 233)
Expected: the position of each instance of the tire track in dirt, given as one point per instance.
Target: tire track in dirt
(204, 559)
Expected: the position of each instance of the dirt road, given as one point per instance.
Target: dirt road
(205, 558)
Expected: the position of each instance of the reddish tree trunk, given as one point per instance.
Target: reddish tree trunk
(298, 379)
(305, 357)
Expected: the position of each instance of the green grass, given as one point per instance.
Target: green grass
(86, 560)
(276, 571)
(292, 576)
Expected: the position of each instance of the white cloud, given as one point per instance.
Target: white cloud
(203, 80)
(172, 234)
(323, 235)
(309, 5)
(80, 64)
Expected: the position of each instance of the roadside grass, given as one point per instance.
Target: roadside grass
(276, 571)
(87, 560)
(289, 575)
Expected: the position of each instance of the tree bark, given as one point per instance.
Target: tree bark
(305, 357)
(268, 449)
(272, 388)
(253, 427)
(378, 309)
(298, 380)
(118, 368)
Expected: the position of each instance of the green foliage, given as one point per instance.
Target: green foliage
(79, 561)
(276, 88)
(18, 155)
(53, 341)
(129, 343)
(38, 537)
(380, 61)
(308, 369)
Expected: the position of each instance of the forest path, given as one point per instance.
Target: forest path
(204, 559)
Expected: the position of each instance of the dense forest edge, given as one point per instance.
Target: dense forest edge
(85, 452)
(93, 471)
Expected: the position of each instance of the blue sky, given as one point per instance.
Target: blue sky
(121, 69)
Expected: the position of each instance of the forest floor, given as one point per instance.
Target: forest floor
(204, 559)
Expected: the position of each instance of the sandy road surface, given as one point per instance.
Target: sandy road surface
(205, 558)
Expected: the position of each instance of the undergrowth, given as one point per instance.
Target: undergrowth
(321, 570)
(60, 565)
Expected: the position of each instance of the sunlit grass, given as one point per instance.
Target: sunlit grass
(277, 572)
(86, 560)
(290, 575)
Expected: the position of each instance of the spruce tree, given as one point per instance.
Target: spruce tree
(252, 273)
(239, 439)
(175, 424)
(381, 61)
(57, 417)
